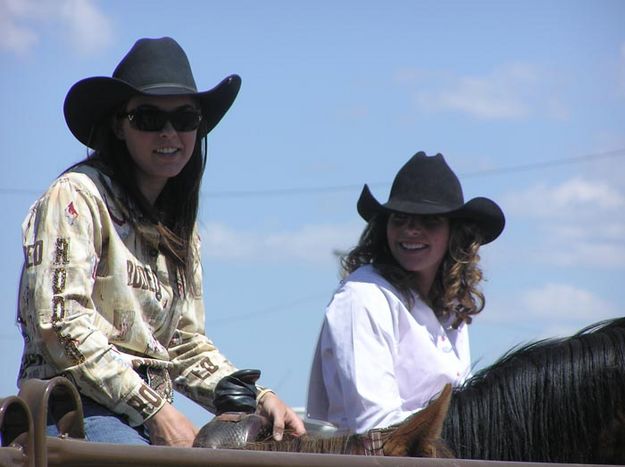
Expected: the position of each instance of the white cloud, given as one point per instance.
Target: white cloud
(22, 24)
(15, 37)
(608, 230)
(563, 302)
(578, 223)
(575, 197)
(311, 244)
(89, 28)
(553, 309)
(589, 253)
(509, 92)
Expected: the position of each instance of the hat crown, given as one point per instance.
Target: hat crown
(153, 64)
(427, 186)
(429, 180)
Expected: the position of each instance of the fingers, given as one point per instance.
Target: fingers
(295, 423)
(282, 416)
(169, 427)
(278, 428)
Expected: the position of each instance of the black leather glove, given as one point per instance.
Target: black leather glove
(237, 392)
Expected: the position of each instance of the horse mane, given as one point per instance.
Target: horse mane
(553, 400)
(337, 443)
(419, 435)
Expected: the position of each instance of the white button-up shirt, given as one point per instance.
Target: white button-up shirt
(378, 361)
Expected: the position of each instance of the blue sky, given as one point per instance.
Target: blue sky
(525, 99)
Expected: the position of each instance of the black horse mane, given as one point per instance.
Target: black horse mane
(554, 400)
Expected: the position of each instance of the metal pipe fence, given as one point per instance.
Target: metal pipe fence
(24, 443)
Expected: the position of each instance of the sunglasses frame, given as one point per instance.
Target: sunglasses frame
(173, 116)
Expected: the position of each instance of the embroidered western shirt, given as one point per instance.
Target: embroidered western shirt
(100, 305)
(376, 360)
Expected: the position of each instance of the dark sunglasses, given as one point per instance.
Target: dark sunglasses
(399, 219)
(153, 119)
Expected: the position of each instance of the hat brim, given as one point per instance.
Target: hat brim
(91, 100)
(485, 213)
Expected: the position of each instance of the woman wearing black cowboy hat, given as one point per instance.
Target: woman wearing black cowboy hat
(111, 289)
(395, 331)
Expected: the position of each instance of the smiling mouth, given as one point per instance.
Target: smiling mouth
(166, 151)
(413, 246)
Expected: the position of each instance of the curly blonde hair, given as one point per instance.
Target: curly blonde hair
(455, 291)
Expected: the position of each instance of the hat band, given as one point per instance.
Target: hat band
(421, 207)
(167, 85)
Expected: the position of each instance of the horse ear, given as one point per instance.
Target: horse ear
(420, 434)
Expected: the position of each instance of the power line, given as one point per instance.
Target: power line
(547, 164)
(337, 188)
(265, 311)
(481, 172)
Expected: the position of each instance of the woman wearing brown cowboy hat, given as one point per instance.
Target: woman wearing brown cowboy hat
(111, 288)
(395, 331)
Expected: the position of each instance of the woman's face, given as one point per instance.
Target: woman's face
(158, 153)
(418, 243)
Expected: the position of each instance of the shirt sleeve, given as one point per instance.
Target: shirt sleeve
(358, 354)
(198, 365)
(63, 241)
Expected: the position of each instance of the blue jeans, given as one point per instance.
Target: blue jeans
(104, 426)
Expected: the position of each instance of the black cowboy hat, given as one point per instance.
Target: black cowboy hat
(152, 67)
(427, 185)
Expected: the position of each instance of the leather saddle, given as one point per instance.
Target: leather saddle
(236, 422)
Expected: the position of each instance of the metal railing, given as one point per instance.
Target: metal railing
(24, 443)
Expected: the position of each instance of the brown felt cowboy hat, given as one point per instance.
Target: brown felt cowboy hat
(427, 185)
(152, 67)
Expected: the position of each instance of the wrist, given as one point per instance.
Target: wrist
(262, 393)
(156, 415)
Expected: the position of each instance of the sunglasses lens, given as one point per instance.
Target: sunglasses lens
(146, 119)
(150, 119)
(185, 120)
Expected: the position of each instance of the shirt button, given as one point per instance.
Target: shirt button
(153, 252)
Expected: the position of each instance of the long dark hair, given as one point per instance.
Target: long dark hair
(454, 291)
(175, 211)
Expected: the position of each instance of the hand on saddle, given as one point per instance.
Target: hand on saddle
(238, 393)
(169, 427)
(281, 414)
(246, 414)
